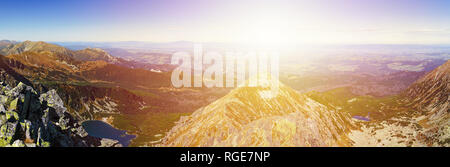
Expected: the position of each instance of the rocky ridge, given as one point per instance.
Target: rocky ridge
(254, 116)
(430, 96)
(30, 119)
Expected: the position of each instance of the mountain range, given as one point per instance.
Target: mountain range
(92, 84)
(53, 66)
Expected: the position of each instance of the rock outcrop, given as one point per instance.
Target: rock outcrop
(30, 119)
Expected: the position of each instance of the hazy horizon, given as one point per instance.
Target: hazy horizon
(257, 22)
(230, 43)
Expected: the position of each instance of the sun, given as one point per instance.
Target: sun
(265, 28)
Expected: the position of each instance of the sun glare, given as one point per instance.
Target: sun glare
(265, 28)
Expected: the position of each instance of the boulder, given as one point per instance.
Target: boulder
(2, 119)
(80, 131)
(3, 99)
(7, 131)
(25, 126)
(2, 109)
(14, 92)
(52, 98)
(18, 143)
(13, 104)
(12, 116)
(110, 143)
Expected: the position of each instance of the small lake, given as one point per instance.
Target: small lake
(361, 118)
(101, 129)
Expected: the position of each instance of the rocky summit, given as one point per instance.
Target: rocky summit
(30, 119)
(256, 116)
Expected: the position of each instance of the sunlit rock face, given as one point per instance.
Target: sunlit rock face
(257, 116)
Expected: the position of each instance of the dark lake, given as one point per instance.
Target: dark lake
(103, 130)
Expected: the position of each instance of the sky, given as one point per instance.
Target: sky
(234, 21)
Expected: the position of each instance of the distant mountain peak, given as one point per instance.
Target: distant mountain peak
(34, 46)
(41, 54)
(94, 54)
(5, 43)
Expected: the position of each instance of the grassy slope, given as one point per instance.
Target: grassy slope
(344, 100)
(147, 125)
